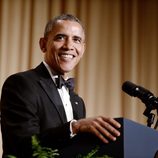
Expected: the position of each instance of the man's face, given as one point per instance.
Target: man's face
(64, 46)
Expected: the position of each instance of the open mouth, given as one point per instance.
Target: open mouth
(66, 56)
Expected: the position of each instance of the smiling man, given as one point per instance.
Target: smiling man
(41, 102)
(63, 45)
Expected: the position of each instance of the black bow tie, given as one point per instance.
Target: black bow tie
(70, 83)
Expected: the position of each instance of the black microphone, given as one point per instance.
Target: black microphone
(145, 95)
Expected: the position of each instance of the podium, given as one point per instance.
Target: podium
(136, 141)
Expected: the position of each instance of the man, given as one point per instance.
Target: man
(33, 102)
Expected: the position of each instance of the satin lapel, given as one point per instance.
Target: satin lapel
(50, 88)
(75, 106)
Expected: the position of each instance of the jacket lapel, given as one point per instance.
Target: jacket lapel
(50, 88)
(77, 111)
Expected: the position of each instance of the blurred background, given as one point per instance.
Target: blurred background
(121, 45)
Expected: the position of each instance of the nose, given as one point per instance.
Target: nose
(68, 44)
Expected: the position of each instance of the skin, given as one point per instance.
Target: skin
(63, 48)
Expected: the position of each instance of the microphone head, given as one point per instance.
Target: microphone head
(137, 91)
(130, 88)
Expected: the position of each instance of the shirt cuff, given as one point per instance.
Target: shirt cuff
(71, 132)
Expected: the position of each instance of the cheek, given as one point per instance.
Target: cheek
(56, 45)
(81, 51)
(50, 55)
(52, 46)
(52, 51)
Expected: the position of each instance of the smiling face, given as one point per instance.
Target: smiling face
(64, 46)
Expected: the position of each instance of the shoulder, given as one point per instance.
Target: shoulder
(22, 81)
(30, 75)
(18, 77)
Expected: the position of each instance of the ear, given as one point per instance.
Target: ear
(42, 43)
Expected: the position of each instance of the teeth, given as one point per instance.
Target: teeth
(67, 56)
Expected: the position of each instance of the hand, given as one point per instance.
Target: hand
(104, 128)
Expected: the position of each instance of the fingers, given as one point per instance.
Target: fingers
(111, 125)
(99, 135)
(112, 121)
(104, 128)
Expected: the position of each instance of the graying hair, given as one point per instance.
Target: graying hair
(53, 22)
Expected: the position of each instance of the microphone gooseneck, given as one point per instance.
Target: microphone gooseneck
(146, 97)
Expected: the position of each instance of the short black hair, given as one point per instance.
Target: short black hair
(51, 23)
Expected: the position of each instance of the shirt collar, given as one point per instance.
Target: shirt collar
(50, 71)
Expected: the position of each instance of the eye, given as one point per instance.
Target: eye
(59, 37)
(77, 40)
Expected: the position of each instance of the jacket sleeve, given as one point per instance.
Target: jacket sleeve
(21, 120)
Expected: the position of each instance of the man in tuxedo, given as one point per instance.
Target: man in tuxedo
(40, 101)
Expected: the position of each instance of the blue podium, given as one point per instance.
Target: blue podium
(136, 141)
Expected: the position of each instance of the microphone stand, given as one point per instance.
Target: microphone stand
(156, 124)
(149, 115)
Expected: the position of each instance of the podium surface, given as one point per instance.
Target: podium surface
(136, 141)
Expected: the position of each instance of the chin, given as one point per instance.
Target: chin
(67, 69)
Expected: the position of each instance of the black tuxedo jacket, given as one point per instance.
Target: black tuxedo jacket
(31, 104)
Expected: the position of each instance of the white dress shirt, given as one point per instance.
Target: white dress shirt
(64, 94)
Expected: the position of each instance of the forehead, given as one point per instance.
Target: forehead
(69, 28)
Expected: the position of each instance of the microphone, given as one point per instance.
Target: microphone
(143, 94)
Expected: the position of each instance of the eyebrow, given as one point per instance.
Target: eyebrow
(60, 34)
(64, 35)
